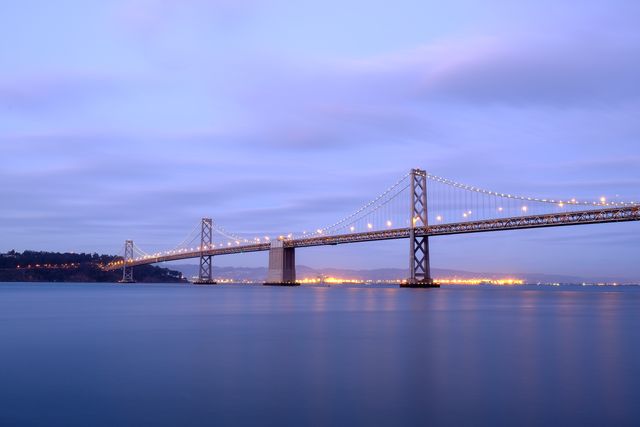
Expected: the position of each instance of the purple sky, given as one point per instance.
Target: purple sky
(133, 119)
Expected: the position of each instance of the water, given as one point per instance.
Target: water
(93, 355)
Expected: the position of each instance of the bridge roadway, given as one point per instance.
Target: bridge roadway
(600, 216)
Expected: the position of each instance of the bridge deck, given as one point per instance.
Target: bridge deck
(600, 216)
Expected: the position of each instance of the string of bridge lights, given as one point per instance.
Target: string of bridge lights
(368, 209)
(345, 223)
(602, 201)
(364, 207)
(238, 239)
(184, 241)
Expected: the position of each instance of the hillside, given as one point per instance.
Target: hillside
(36, 266)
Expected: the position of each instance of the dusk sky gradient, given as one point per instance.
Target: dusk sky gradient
(133, 119)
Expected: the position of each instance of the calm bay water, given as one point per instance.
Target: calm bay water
(91, 355)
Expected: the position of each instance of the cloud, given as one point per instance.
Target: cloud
(48, 92)
(560, 72)
(149, 19)
(195, 108)
(408, 95)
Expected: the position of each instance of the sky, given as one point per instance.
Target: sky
(132, 119)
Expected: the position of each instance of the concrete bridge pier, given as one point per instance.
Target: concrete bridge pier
(282, 265)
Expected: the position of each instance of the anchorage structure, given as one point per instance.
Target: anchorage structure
(206, 238)
(419, 265)
(127, 270)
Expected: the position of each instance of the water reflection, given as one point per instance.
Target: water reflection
(244, 355)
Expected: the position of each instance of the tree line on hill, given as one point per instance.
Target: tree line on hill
(40, 266)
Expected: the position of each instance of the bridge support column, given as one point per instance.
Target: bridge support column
(206, 235)
(419, 266)
(282, 265)
(127, 270)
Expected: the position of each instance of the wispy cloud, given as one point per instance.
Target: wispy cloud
(132, 118)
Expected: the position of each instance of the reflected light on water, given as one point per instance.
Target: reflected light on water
(175, 355)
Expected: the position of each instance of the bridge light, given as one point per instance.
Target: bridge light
(389, 223)
(438, 218)
(319, 231)
(352, 228)
(524, 209)
(603, 199)
(369, 226)
(561, 204)
(500, 209)
(464, 214)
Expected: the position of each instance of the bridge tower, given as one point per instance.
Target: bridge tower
(127, 271)
(206, 237)
(282, 265)
(419, 266)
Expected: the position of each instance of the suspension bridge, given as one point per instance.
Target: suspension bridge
(417, 206)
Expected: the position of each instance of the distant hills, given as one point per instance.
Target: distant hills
(257, 274)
